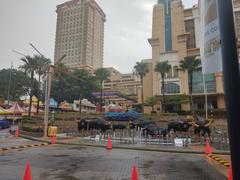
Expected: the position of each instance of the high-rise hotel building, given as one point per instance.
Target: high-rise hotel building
(176, 35)
(80, 34)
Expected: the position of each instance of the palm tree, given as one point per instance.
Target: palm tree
(152, 101)
(190, 64)
(102, 74)
(30, 66)
(43, 65)
(162, 68)
(141, 69)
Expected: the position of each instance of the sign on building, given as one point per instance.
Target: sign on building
(210, 37)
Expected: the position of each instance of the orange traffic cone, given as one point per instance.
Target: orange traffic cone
(27, 174)
(208, 148)
(230, 175)
(109, 144)
(17, 133)
(53, 140)
(134, 173)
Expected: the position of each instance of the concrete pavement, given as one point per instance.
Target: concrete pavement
(77, 163)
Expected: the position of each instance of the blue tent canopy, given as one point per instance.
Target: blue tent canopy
(53, 103)
(122, 116)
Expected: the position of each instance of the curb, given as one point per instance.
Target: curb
(220, 160)
(128, 148)
(22, 147)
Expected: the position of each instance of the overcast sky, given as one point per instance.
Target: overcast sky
(127, 29)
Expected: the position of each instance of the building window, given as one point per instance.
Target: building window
(175, 72)
(198, 83)
(172, 88)
(237, 23)
(189, 24)
(169, 74)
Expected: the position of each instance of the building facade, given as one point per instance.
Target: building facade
(80, 34)
(120, 88)
(126, 84)
(86, 106)
(175, 36)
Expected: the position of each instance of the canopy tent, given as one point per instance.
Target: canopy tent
(33, 109)
(65, 106)
(16, 109)
(26, 100)
(113, 108)
(53, 103)
(122, 116)
(4, 111)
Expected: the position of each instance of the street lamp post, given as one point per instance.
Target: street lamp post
(9, 83)
(47, 98)
(32, 73)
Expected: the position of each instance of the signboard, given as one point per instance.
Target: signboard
(97, 138)
(178, 142)
(210, 37)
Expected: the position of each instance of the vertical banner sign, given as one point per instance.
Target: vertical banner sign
(210, 37)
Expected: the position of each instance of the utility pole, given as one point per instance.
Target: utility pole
(9, 83)
(231, 80)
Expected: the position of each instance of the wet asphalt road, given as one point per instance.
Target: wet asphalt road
(3, 133)
(8, 140)
(75, 163)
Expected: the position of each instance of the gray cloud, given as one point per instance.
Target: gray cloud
(127, 29)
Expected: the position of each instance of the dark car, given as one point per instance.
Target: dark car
(4, 124)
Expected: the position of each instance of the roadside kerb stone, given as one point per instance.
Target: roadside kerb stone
(183, 151)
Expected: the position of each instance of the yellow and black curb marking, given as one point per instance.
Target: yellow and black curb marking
(23, 147)
(220, 160)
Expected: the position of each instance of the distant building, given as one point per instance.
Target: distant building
(127, 84)
(86, 106)
(80, 34)
(176, 35)
(120, 89)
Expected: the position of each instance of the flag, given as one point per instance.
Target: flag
(210, 49)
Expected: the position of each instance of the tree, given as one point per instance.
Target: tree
(141, 69)
(30, 66)
(42, 67)
(60, 73)
(152, 101)
(75, 85)
(87, 83)
(162, 68)
(190, 64)
(102, 74)
(20, 84)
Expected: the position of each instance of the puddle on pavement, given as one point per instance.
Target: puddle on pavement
(60, 155)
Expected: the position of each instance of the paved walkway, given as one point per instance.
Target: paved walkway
(59, 162)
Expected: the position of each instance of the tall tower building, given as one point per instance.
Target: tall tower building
(169, 43)
(80, 34)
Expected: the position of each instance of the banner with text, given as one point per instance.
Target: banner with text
(210, 37)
